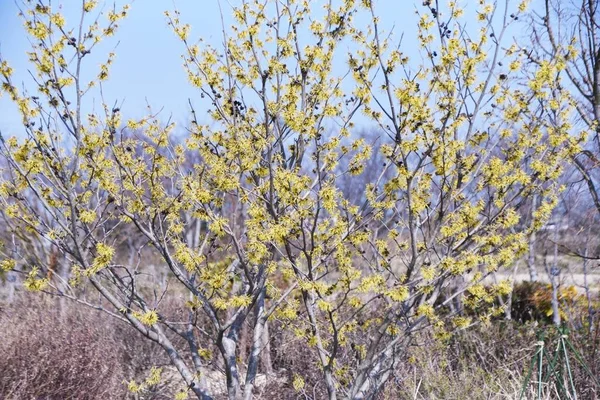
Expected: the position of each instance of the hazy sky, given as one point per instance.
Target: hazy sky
(148, 63)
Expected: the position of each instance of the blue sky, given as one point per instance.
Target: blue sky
(147, 66)
(148, 63)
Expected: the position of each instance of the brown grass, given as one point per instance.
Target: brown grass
(76, 354)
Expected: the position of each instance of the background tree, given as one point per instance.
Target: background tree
(570, 33)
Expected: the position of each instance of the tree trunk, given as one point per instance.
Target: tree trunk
(552, 274)
(533, 275)
(265, 355)
(309, 301)
(190, 379)
(228, 347)
(254, 358)
(586, 287)
(508, 304)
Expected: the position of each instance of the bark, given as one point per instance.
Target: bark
(375, 371)
(555, 304)
(193, 345)
(228, 347)
(533, 275)
(552, 274)
(190, 379)
(509, 300)
(265, 355)
(369, 368)
(309, 303)
(586, 287)
(257, 346)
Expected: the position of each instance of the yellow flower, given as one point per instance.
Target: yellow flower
(428, 273)
(399, 293)
(461, 322)
(89, 5)
(87, 216)
(134, 387)
(181, 396)
(58, 20)
(298, 383)
(7, 265)
(154, 376)
(426, 310)
(523, 6)
(205, 353)
(240, 301)
(104, 255)
(148, 318)
(33, 283)
(504, 287)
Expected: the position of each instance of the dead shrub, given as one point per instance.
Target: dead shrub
(73, 353)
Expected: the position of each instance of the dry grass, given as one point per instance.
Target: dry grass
(83, 354)
(76, 354)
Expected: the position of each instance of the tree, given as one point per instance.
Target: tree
(569, 32)
(248, 216)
